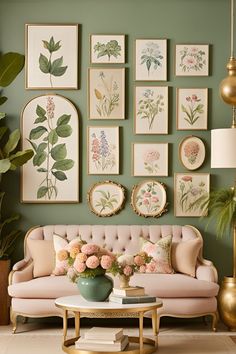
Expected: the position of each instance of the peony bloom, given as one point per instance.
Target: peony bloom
(62, 255)
(155, 199)
(59, 271)
(146, 202)
(151, 156)
(190, 61)
(191, 150)
(125, 259)
(142, 268)
(74, 251)
(138, 260)
(147, 194)
(128, 270)
(79, 266)
(106, 262)
(92, 262)
(194, 97)
(90, 248)
(187, 178)
(151, 267)
(81, 257)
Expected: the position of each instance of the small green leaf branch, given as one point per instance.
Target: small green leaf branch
(106, 201)
(50, 157)
(193, 109)
(112, 48)
(149, 107)
(46, 65)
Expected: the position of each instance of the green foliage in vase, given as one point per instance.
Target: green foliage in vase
(222, 207)
(49, 156)
(46, 65)
(112, 48)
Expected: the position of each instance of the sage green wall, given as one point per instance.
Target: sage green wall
(180, 21)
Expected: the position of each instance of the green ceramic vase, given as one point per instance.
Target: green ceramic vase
(95, 289)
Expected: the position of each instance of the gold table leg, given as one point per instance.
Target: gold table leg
(65, 324)
(141, 331)
(77, 324)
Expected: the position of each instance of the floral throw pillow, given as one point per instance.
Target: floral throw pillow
(161, 253)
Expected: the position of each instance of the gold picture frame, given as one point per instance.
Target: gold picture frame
(116, 54)
(51, 59)
(108, 201)
(192, 152)
(191, 59)
(149, 199)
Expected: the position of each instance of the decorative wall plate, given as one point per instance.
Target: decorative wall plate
(148, 198)
(106, 198)
(192, 152)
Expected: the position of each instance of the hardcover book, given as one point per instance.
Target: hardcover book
(131, 299)
(131, 291)
(99, 345)
(104, 333)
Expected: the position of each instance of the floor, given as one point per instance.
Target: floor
(176, 336)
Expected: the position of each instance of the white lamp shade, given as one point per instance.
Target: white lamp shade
(223, 148)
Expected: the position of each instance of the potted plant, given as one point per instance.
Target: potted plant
(10, 158)
(222, 207)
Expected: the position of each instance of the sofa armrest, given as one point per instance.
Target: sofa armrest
(21, 271)
(207, 273)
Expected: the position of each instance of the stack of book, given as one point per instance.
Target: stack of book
(131, 295)
(103, 339)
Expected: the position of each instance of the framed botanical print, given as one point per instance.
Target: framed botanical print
(107, 49)
(192, 152)
(192, 108)
(103, 150)
(106, 198)
(148, 198)
(192, 60)
(150, 159)
(50, 127)
(106, 93)
(151, 59)
(151, 110)
(190, 191)
(51, 59)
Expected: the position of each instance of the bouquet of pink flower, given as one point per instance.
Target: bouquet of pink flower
(129, 264)
(88, 260)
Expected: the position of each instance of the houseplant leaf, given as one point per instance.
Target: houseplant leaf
(11, 65)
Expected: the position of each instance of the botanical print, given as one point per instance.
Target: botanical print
(106, 90)
(103, 150)
(192, 60)
(151, 110)
(50, 127)
(150, 159)
(52, 59)
(46, 65)
(106, 198)
(149, 198)
(190, 192)
(192, 109)
(151, 59)
(192, 152)
(107, 49)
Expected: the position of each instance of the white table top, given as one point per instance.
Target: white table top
(77, 302)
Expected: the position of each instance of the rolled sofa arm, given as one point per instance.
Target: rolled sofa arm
(21, 271)
(207, 273)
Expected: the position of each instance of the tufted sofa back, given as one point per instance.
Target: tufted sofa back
(116, 238)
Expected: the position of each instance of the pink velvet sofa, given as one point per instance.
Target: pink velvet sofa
(182, 295)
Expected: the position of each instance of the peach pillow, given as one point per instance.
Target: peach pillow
(43, 255)
(161, 253)
(184, 256)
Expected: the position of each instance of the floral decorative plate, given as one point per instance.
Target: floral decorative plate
(106, 198)
(149, 198)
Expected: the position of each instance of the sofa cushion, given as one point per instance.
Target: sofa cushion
(184, 256)
(161, 253)
(43, 255)
(160, 285)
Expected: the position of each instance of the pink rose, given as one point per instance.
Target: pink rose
(106, 262)
(62, 255)
(155, 199)
(147, 194)
(139, 260)
(194, 97)
(82, 257)
(90, 248)
(187, 178)
(92, 262)
(128, 270)
(142, 269)
(146, 202)
(79, 266)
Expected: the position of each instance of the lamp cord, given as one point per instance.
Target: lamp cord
(232, 29)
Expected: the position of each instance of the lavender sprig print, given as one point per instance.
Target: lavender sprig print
(103, 152)
(108, 96)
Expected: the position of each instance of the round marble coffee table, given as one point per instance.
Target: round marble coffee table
(107, 309)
